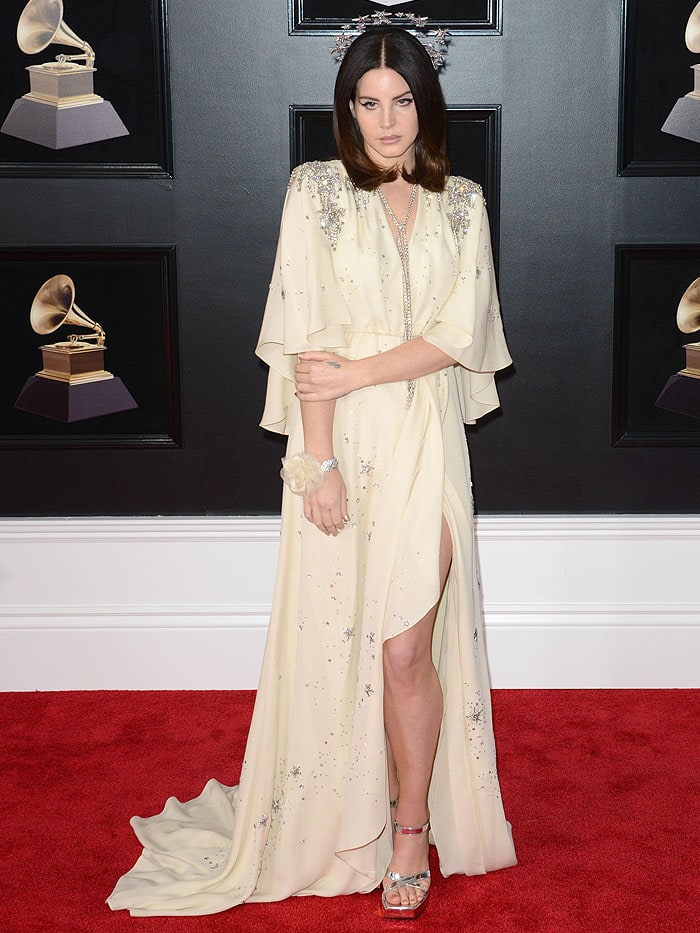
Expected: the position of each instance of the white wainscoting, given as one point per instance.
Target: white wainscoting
(570, 601)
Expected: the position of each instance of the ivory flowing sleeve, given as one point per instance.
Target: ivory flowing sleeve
(468, 327)
(304, 310)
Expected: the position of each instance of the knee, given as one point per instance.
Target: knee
(404, 658)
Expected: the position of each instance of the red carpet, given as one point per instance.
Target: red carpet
(601, 788)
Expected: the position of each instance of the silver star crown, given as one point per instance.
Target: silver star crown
(434, 43)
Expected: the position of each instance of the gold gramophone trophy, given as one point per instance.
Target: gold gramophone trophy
(61, 108)
(682, 391)
(684, 119)
(73, 384)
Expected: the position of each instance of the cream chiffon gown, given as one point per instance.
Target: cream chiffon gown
(310, 815)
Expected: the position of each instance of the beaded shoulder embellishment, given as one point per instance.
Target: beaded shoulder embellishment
(359, 194)
(325, 184)
(462, 196)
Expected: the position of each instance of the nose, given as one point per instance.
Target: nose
(388, 116)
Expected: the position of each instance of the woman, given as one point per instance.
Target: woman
(382, 334)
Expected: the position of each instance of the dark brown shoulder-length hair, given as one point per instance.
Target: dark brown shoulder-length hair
(391, 47)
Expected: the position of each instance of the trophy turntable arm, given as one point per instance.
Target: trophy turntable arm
(88, 54)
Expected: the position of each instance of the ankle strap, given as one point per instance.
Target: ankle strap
(411, 830)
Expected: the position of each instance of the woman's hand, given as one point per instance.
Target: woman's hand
(320, 376)
(328, 506)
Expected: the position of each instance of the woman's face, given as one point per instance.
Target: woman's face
(386, 114)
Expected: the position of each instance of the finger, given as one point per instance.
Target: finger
(318, 520)
(308, 514)
(330, 524)
(337, 519)
(310, 510)
(304, 382)
(306, 387)
(329, 521)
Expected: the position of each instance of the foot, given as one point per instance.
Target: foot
(410, 857)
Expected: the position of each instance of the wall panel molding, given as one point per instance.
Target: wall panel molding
(569, 601)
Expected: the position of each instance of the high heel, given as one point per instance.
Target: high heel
(406, 911)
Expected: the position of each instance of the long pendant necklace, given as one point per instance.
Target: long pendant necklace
(402, 245)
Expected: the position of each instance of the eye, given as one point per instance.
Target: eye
(368, 104)
(405, 101)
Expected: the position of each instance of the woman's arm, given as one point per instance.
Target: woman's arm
(327, 507)
(321, 376)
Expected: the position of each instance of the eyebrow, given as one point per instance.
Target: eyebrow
(406, 93)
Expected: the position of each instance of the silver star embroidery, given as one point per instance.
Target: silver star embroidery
(369, 689)
(296, 771)
(348, 632)
(366, 468)
(276, 806)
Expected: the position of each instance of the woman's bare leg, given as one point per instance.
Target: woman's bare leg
(412, 717)
(393, 774)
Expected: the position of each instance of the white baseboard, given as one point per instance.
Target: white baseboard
(570, 601)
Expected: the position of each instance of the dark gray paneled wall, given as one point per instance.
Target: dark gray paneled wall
(234, 72)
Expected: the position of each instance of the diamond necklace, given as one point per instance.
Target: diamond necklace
(402, 245)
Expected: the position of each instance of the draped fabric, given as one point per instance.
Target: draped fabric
(310, 814)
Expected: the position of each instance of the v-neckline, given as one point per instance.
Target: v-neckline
(414, 216)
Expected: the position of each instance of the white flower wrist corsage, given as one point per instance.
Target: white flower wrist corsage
(304, 474)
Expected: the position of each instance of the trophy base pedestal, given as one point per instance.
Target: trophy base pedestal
(681, 394)
(63, 402)
(62, 127)
(684, 119)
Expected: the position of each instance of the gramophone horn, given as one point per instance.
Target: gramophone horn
(692, 30)
(54, 304)
(688, 316)
(41, 23)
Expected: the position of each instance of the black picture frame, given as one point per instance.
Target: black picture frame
(473, 147)
(648, 346)
(655, 71)
(132, 293)
(130, 39)
(461, 17)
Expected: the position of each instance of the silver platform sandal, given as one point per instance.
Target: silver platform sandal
(406, 911)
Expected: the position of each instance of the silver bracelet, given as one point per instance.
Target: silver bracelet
(304, 474)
